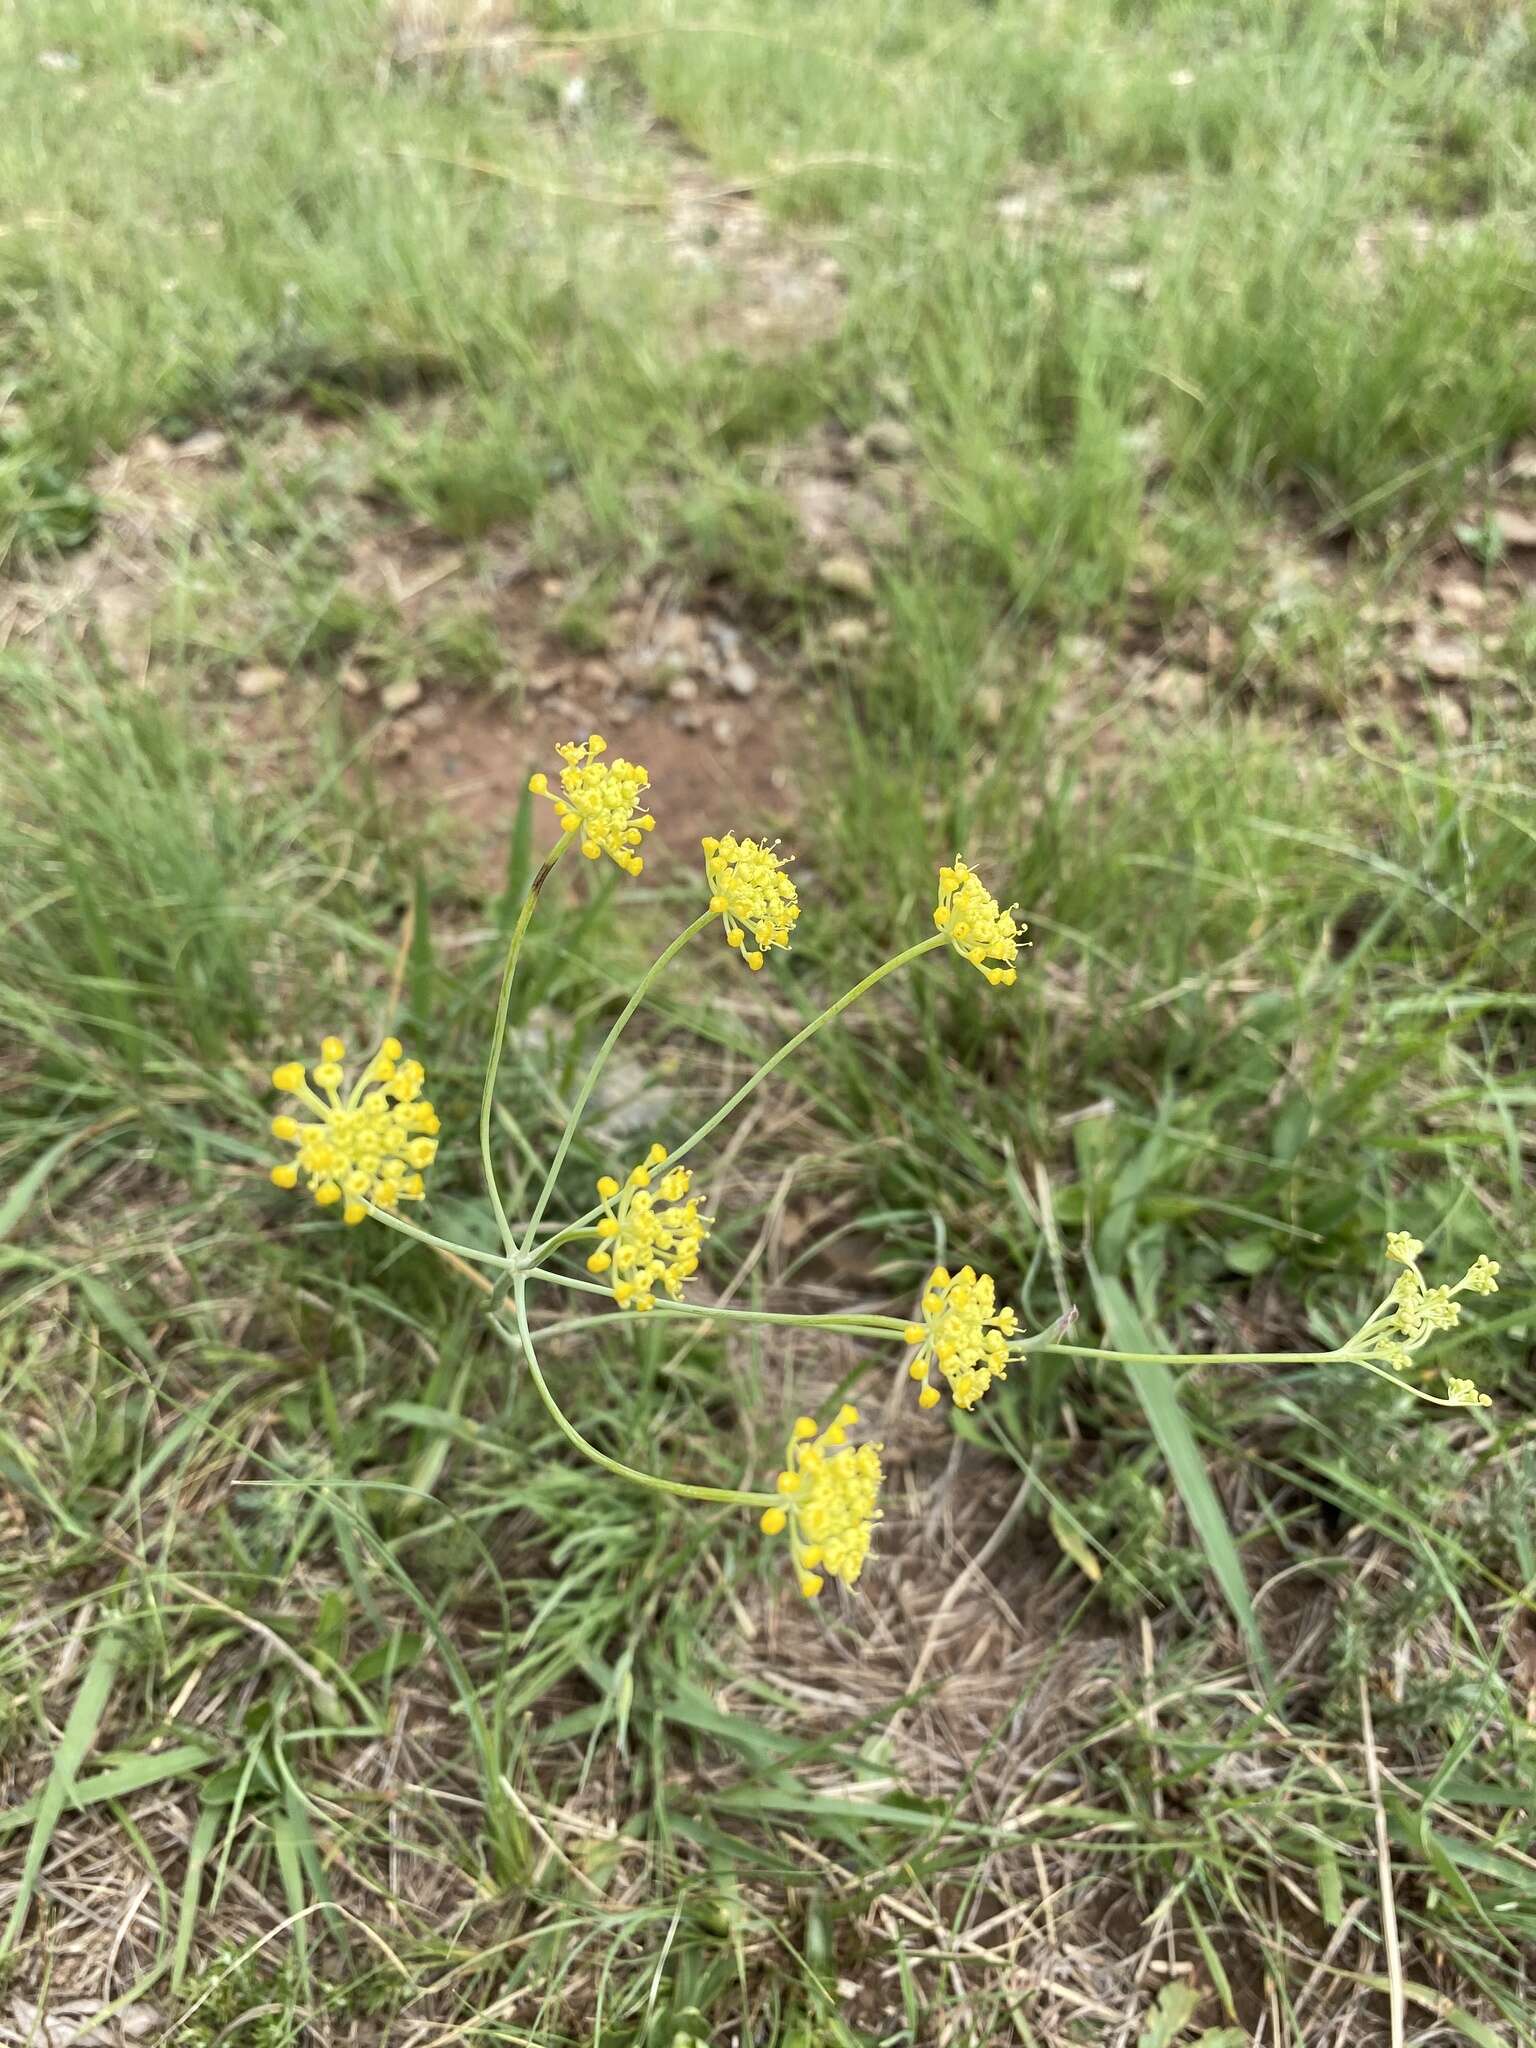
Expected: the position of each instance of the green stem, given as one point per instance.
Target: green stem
(1185, 1357)
(852, 1325)
(493, 1065)
(443, 1244)
(793, 1045)
(722, 1495)
(790, 1045)
(570, 1234)
(1344, 1356)
(578, 1107)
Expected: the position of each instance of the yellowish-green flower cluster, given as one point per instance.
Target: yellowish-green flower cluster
(600, 800)
(650, 1234)
(976, 926)
(749, 889)
(1465, 1394)
(963, 1333)
(371, 1146)
(1414, 1312)
(831, 1494)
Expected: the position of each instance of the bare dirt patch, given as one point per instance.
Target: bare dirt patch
(712, 709)
(1342, 636)
(476, 760)
(684, 684)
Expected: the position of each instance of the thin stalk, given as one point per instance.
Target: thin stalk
(570, 1234)
(1186, 1357)
(793, 1045)
(849, 1324)
(578, 1107)
(441, 1244)
(722, 1496)
(777, 1059)
(493, 1064)
(1342, 1357)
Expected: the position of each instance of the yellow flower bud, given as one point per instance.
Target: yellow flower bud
(979, 930)
(750, 890)
(600, 800)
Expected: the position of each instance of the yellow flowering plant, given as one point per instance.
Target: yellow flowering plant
(367, 1148)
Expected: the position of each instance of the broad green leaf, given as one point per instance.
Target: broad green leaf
(403, 1649)
(519, 863)
(1329, 1886)
(1291, 1126)
(1253, 1252)
(1074, 1544)
(1173, 2012)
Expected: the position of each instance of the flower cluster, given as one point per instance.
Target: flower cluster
(1413, 1312)
(980, 931)
(650, 1234)
(749, 889)
(370, 1147)
(1465, 1394)
(600, 800)
(963, 1333)
(367, 1150)
(831, 1493)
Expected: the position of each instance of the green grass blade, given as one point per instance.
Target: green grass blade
(198, 1851)
(1157, 1390)
(299, 1855)
(519, 863)
(60, 1790)
(422, 964)
(118, 1781)
(1430, 2001)
(19, 1198)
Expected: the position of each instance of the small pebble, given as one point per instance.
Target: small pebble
(888, 441)
(401, 695)
(259, 682)
(847, 575)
